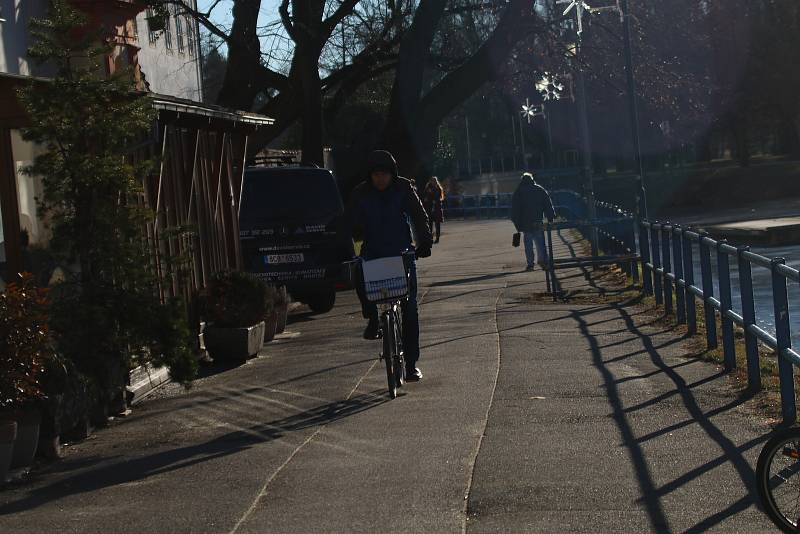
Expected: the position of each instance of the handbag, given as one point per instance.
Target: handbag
(515, 240)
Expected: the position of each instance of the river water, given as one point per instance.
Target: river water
(762, 287)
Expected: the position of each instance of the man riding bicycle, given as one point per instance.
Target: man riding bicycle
(380, 210)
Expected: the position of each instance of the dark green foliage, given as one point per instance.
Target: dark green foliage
(106, 315)
(237, 300)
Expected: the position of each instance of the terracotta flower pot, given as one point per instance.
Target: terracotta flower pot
(28, 424)
(233, 343)
(271, 326)
(8, 434)
(283, 313)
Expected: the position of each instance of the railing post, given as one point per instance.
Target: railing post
(708, 292)
(656, 248)
(666, 261)
(688, 275)
(782, 333)
(644, 253)
(749, 316)
(553, 279)
(549, 236)
(728, 343)
(677, 256)
(631, 249)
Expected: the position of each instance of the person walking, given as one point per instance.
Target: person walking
(529, 204)
(382, 209)
(433, 198)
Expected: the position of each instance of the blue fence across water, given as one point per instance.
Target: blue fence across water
(669, 256)
(682, 267)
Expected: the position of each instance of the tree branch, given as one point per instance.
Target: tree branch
(344, 9)
(466, 79)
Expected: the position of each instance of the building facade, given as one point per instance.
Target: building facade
(202, 148)
(170, 59)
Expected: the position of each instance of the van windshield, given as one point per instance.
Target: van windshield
(295, 195)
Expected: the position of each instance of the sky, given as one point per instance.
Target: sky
(222, 13)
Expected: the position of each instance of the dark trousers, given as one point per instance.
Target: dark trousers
(410, 315)
(437, 226)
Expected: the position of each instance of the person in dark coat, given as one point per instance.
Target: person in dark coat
(529, 204)
(433, 199)
(383, 210)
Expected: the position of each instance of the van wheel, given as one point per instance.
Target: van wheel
(321, 302)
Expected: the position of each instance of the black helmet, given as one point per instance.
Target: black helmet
(382, 160)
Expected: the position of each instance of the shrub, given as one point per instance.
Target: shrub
(24, 342)
(236, 300)
(281, 296)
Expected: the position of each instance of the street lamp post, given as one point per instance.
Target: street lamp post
(587, 170)
(633, 109)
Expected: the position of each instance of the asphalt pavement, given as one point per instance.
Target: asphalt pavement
(531, 417)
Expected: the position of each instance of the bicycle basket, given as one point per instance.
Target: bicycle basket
(385, 279)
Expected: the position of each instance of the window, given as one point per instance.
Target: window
(191, 37)
(152, 36)
(179, 33)
(168, 30)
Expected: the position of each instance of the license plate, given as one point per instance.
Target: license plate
(274, 259)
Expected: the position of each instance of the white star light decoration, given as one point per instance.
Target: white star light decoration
(549, 88)
(579, 6)
(530, 112)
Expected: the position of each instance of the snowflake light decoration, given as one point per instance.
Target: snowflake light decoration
(531, 112)
(579, 6)
(549, 87)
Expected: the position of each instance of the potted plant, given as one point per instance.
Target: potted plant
(24, 347)
(282, 308)
(235, 307)
(8, 434)
(270, 313)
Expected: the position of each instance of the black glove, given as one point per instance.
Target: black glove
(423, 252)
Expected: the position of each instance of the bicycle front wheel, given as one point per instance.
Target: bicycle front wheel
(778, 479)
(399, 357)
(388, 354)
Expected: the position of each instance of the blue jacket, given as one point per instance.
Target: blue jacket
(529, 204)
(385, 219)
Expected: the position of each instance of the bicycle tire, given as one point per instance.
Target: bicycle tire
(399, 360)
(778, 461)
(388, 356)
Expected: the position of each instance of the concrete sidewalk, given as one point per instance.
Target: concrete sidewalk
(531, 417)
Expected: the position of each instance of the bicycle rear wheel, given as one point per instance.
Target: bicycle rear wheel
(778, 479)
(388, 353)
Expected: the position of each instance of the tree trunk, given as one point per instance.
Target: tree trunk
(741, 143)
(412, 121)
(239, 88)
(311, 114)
(703, 147)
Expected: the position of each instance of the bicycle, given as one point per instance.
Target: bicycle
(385, 283)
(778, 479)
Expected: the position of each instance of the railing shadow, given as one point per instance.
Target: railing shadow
(731, 453)
(126, 471)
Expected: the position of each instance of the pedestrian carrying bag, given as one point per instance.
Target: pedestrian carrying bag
(515, 240)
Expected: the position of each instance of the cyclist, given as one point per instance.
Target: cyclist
(382, 210)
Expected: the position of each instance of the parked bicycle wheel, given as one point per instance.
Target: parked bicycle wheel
(778, 479)
(388, 354)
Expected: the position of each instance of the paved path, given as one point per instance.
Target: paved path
(532, 417)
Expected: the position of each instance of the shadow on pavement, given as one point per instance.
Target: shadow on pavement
(471, 280)
(126, 471)
(731, 453)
